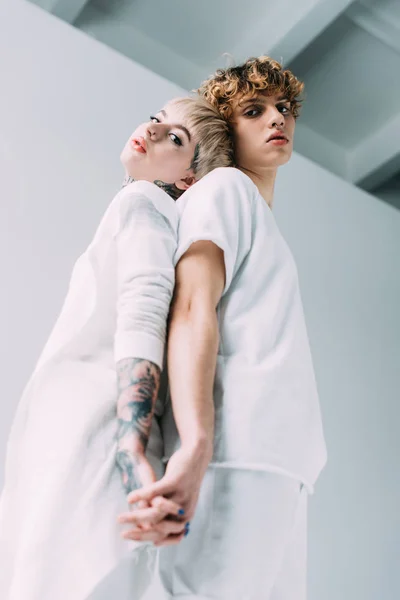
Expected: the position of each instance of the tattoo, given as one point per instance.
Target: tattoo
(127, 180)
(170, 188)
(126, 462)
(138, 383)
(195, 160)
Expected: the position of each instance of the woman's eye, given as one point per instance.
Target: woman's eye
(175, 139)
(287, 108)
(154, 119)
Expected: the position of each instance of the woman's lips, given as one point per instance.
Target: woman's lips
(139, 144)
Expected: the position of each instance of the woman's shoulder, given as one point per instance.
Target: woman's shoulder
(145, 196)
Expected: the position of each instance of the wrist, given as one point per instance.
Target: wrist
(201, 445)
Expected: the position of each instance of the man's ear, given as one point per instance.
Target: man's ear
(186, 183)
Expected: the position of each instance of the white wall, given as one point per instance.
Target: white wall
(67, 104)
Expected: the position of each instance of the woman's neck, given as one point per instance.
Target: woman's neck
(265, 182)
(127, 180)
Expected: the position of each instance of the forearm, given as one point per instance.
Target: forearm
(192, 351)
(138, 383)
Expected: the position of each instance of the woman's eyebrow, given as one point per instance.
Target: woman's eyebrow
(178, 126)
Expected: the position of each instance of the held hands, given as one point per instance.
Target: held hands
(158, 517)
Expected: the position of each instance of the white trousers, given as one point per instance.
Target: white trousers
(247, 541)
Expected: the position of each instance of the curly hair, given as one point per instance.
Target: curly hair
(227, 86)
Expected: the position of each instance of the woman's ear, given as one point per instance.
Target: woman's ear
(186, 183)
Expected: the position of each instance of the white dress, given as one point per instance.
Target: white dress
(58, 530)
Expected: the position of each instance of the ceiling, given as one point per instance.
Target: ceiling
(347, 52)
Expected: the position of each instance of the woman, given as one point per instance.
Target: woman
(63, 492)
(249, 444)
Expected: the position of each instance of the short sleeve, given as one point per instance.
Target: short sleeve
(145, 247)
(218, 209)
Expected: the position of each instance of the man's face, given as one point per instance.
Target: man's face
(254, 120)
(161, 149)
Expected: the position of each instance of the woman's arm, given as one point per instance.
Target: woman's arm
(138, 384)
(145, 246)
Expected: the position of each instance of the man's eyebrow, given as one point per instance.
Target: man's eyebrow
(178, 126)
(259, 98)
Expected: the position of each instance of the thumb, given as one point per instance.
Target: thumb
(159, 488)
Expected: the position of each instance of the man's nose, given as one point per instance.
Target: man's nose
(275, 118)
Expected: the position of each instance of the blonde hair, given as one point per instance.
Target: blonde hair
(214, 141)
(230, 85)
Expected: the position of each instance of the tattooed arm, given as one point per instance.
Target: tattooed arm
(138, 383)
(145, 245)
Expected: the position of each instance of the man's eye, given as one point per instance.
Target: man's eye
(154, 119)
(253, 112)
(175, 139)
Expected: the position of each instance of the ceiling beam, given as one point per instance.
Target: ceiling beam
(322, 151)
(376, 158)
(67, 10)
(136, 45)
(284, 31)
(377, 23)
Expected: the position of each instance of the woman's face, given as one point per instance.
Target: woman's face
(162, 149)
(254, 120)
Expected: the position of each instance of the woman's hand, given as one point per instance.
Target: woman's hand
(136, 472)
(181, 485)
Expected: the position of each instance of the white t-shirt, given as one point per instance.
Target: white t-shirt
(266, 402)
(121, 286)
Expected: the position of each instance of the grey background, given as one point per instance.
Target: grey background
(67, 105)
(346, 51)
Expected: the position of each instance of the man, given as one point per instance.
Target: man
(248, 443)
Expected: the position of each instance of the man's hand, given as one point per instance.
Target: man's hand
(181, 485)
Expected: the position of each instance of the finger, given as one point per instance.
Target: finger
(170, 540)
(149, 492)
(143, 536)
(168, 506)
(143, 516)
(171, 527)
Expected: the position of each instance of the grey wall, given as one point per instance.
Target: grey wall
(67, 105)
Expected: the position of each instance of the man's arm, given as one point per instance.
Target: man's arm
(193, 344)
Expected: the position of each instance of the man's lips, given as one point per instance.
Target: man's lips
(139, 144)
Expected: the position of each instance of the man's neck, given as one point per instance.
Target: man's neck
(265, 182)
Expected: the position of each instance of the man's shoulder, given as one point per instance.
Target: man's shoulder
(223, 176)
(221, 183)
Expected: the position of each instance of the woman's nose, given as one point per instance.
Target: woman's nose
(157, 131)
(151, 131)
